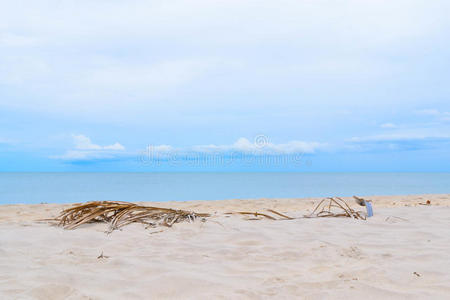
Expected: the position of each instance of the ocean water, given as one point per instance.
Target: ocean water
(80, 187)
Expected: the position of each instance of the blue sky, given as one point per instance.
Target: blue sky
(224, 85)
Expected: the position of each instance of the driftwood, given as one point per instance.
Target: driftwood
(118, 214)
(336, 207)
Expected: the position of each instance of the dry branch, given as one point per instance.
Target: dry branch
(257, 214)
(335, 207)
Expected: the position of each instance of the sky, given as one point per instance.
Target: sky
(303, 86)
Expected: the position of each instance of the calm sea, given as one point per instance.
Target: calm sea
(79, 187)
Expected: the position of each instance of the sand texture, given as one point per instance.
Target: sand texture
(403, 252)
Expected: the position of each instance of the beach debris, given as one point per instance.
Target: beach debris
(335, 207)
(366, 203)
(102, 256)
(417, 274)
(394, 219)
(118, 214)
(359, 201)
(426, 203)
(280, 214)
(259, 216)
(154, 232)
(328, 207)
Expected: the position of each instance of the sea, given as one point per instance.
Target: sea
(30, 188)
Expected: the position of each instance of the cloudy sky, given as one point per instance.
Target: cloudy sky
(109, 85)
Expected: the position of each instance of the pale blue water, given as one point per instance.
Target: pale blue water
(80, 187)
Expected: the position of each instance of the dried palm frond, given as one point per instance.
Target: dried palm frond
(335, 207)
(118, 214)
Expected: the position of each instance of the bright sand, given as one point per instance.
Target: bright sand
(403, 252)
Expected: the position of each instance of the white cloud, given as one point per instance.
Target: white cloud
(75, 155)
(198, 68)
(388, 126)
(400, 141)
(163, 148)
(115, 146)
(117, 56)
(429, 112)
(85, 150)
(83, 142)
(14, 40)
(152, 77)
(179, 19)
(440, 115)
(417, 140)
(243, 145)
(400, 137)
(264, 146)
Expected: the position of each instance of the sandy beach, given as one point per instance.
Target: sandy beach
(402, 252)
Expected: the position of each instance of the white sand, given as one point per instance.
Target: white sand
(403, 252)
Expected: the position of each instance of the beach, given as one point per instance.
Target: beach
(402, 252)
